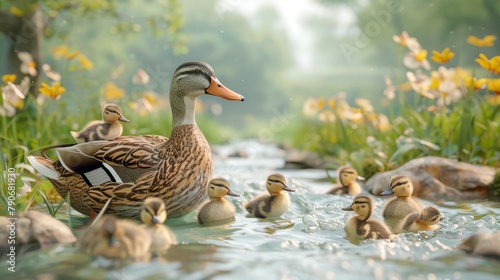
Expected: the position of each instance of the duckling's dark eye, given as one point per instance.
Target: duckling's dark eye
(212, 188)
(197, 71)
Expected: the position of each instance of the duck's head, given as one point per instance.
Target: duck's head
(113, 113)
(348, 175)
(111, 229)
(400, 186)
(219, 187)
(431, 215)
(153, 211)
(361, 205)
(190, 80)
(277, 183)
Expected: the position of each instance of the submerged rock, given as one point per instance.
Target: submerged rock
(482, 243)
(436, 179)
(34, 227)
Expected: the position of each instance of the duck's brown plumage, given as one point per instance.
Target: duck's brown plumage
(131, 168)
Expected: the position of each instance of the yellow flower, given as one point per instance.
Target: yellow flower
(381, 122)
(494, 86)
(326, 116)
(421, 55)
(416, 58)
(321, 103)
(364, 104)
(85, 62)
(406, 41)
(443, 57)
(111, 91)
(59, 51)
(309, 108)
(487, 41)
(16, 11)
(492, 65)
(28, 64)
(9, 78)
(475, 84)
(331, 103)
(493, 99)
(53, 91)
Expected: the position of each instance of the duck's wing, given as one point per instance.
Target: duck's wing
(126, 159)
(132, 152)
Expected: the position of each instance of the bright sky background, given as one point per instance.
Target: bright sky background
(293, 14)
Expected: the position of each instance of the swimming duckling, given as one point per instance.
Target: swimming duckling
(347, 177)
(116, 238)
(153, 215)
(217, 208)
(427, 220)
(482, 243)
(396, 209)
(363, 226)
(273, 204)
(107, 129)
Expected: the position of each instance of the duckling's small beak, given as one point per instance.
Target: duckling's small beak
(231, 193)
(155, 220)
(123, 119)
(359, 178)
(218, 89)
(288, 189)
(348, 208)
(387, 192)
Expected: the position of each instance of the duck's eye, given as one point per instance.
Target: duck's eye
(197, 71)
(212, 188)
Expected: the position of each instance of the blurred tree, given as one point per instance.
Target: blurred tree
(26, 22)
(433, 23)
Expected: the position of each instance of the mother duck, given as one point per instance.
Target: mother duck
(129, 169)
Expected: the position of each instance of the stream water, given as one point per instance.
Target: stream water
(308, 242)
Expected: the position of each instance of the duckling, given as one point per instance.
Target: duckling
(116, 238)
(482, 243)
(34, 227)
(396, 209)
(107, 129)
(347, 177)
(363, 226)
(273, 204)
(427, 220)
(217, 208)
(153, 215)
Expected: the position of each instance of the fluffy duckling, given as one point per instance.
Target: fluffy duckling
(153, 215)
(107, 129)
(347, 177)
(396, 209)
(217, 208)
(35, 227)
(482, 243)
(275, 203)
(427, 220)
(116, 238)
(363, 226)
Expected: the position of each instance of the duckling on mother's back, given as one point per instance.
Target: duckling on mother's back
(107, 129)
(274, 204)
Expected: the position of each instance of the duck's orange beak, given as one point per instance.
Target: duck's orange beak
(218, 89)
